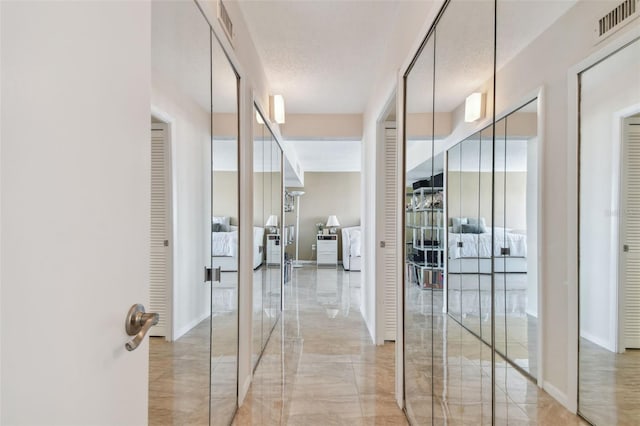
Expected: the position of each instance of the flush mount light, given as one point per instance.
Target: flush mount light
(276, 105)
(474, 107)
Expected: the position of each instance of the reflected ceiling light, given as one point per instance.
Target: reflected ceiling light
(259, 118)
(276, 105)
(474, 107)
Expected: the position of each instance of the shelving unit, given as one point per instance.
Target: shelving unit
(425, 238)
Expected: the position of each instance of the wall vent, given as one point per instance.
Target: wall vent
(225, 21)
(617, 18)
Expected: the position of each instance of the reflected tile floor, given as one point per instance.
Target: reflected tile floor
(609, 385)
(320, 367)
(454, 388)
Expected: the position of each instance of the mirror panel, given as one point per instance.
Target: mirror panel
(225, 202)
(259, 220)
(180, 356)
(420, 312)
(609, 317)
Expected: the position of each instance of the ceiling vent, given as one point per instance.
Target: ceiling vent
(620, 16)
(225, 21)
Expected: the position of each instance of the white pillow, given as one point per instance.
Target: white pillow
(457, 223)
(223, 220)
(480, 223)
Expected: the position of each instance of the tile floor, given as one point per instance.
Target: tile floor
(609, 385)
(454, 386)
(320, 367)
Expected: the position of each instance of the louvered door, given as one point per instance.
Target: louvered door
(630, 268)
(389, 224)
(159, 262)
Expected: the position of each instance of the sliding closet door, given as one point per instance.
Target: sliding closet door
(181, 94)
(423, 295)
(259, 221)
(464, 68)
(225, 203)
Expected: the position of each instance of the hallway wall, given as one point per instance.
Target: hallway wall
(326, 193)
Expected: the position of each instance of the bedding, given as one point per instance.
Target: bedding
(224, 247)
(478, 245)
(351, 248)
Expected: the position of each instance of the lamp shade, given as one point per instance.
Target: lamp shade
(332, 221)
(272, 221)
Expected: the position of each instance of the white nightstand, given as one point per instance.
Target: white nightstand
(327, 249)
(273, 249)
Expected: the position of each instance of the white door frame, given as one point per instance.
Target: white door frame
(171, 217)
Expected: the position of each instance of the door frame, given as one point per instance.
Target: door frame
(162, 116)
(619, 141)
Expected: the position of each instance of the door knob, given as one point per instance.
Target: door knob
(137, 324)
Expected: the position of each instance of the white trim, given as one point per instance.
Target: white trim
(186, 328)
(556, 393)
(172, 219)
(608, 344)
(573, 205)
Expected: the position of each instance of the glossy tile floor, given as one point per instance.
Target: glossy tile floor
(319, 366)
(454, 387)
(609, 385)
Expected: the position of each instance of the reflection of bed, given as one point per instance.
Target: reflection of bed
(351, 255)
(224, 246)
(470, 252)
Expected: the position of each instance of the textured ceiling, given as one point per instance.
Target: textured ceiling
(323, 56)
(463, 53)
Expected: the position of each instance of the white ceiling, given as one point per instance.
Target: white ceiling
(322, 55)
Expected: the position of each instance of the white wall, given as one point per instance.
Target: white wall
(75, 177)
(607, 89)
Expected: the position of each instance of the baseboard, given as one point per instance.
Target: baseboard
(186, 328)
(608, 345)
(557, 394)
(244, 390)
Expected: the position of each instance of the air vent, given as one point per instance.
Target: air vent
(624, 13)
(225, 21)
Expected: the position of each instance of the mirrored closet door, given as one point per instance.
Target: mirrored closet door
(225, 235)
(194, 364)
(267, 221)
(470, 281)
(609, 240)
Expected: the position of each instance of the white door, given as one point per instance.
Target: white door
(387, 250)
(630, 235)
(74, 229)
(160, 260)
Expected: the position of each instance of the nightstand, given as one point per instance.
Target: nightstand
(273, 249)
(327, 249)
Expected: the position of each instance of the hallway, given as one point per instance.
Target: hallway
(320, 367)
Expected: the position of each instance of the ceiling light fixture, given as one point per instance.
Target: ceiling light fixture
(276, 105)
(474, 107)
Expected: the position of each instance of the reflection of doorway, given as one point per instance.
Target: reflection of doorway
(630, 234)
(160, 262)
